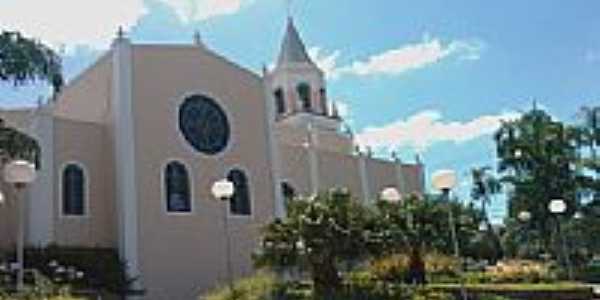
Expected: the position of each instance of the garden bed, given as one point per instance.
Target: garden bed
(556, 291)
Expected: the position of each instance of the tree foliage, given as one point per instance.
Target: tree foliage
(537, 158)
(23, 60)
(324, 233)
(16, 145)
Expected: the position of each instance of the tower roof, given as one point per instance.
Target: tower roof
(292, 47)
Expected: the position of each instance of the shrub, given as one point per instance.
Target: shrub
(521, 271)
(441, 266)
(260, 286)
(392, 268)
(591, 273)
(103, 270)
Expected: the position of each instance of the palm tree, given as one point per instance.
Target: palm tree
(589, 136)
(484, 187)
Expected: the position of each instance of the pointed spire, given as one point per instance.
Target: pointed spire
(334, 111)
(293, 49)
(120, 33)
(198, 38)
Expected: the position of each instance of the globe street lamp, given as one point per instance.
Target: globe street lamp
(558, 207)
(391, 195)
(223, 190)
(20, 173)
(444, 181)
(524, 216)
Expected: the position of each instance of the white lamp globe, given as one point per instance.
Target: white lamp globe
(557, 206)
(524, 216)
(1, 198)
(391, 195)
(443, 180)
(222, 189)
(19, 172)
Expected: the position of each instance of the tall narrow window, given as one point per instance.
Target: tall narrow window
(304, 96)
(279, 101)
(73, 190)
(177, 188)
(240, 202)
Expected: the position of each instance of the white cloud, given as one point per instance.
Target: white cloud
(327, 62)
(70, 21)
(427, 128)
(399, 60)
(94, 23)
(195, 10)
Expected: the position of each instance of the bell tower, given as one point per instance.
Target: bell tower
(298, 86)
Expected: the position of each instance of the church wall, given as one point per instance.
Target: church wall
(335, 142)
(337, 169)
(340, 170)
(295, 168)
(87, 97)
(85, 144)
(182, 255)
(382, 174)
(413, 175)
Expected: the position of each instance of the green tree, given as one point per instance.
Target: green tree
(23, 60)
(537, 156)
(588, 141)
(485, 187)
(16, 145)
(323, 233)
(318, 235)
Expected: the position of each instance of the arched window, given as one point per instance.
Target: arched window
(303, 90)
(279, 101)
(240, 201)
(177, 188)
(73, 190)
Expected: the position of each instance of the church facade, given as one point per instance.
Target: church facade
(131, 147)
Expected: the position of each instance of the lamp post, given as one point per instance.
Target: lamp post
(223, 190)
(390, 195)
(20, 173)
(444, 181)
(558, 207)
(524, 217)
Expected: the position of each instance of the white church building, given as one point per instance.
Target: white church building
(131, 147)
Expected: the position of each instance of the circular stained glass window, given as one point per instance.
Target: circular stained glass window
(204, 124)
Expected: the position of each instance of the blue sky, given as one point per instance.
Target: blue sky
(429, 77)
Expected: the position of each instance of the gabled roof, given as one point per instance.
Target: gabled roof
(292, 47)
